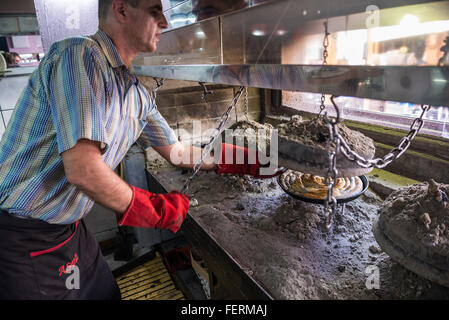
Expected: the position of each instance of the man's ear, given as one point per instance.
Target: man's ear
(119, 10)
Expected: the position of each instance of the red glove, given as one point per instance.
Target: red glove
(239, 165)
(152, 210)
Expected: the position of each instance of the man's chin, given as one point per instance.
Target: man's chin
(149, 49)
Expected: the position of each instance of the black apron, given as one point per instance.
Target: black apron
(39, 260)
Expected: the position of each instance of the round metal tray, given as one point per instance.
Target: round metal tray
(323, 201)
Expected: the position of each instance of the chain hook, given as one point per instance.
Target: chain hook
(325, 55)
(159, 83)
(205, 91)
(337, 110)
(246, 104)
(325, 42)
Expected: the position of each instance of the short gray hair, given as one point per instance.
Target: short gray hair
(104, 5)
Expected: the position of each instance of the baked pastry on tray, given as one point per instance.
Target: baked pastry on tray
(314, 187)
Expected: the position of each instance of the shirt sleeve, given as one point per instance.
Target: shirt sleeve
(157, 132)
(77, 97)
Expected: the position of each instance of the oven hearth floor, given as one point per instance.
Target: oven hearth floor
(282, 243)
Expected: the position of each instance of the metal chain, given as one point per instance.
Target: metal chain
(394, 154)
(208, 148)
(341, 145)
(330, 206)
(325, 43)
(205, 91)
(322, 106)
(246, 103)
(325, 55)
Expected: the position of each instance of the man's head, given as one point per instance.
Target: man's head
(16, 57)
(140, 22)
(12, 59)
(205, 9)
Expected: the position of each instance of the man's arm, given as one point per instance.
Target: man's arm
(84, 167)
(185, 156)
(232, 159)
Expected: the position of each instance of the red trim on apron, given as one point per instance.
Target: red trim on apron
(38, 253)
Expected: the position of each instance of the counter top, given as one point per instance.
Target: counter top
(16, 72)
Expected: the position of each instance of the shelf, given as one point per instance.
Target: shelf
(412, 84)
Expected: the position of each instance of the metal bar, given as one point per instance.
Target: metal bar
(412, 84)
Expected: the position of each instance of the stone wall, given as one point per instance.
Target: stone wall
(180, 103)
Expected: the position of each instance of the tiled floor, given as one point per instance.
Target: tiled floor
(137, 252)
(149, 281)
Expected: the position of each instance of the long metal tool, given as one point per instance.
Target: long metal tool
(209, 146)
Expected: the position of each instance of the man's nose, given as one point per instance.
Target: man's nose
(163, 24)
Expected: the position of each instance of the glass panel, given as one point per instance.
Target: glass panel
(255, 36)
(28, 24)
(445, 132)
(8, 25)
(411, 35)
(196, 44)
(384, 113)
(292, 32)
(180, 14)
(276, 33)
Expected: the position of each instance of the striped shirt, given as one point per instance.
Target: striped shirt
(81, 90)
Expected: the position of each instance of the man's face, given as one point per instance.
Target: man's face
(210, 8)
(147, 21)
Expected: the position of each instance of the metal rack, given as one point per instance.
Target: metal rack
(420, 85)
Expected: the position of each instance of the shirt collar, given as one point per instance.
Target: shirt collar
(112, 54)
(109, 48)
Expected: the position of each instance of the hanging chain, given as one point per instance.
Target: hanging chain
(209, 146)
(395, 153)
(341, 145)
(405, 142)
(246, 103)
(205, 91)
(330, 206)
(322, 106)
(325, 43)
(325, 55)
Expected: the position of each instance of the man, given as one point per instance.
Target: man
(204, 9)
(80, 113)
(12, 59)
